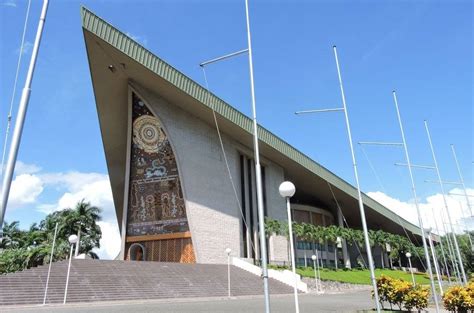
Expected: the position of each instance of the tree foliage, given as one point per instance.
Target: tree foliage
(399, 245)
(22, 249)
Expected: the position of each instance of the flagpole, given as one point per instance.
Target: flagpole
(456, 246)
(461, 179)
(359, 194)
(420, 221)
(20, 120)
(258, 173)
(441, 245)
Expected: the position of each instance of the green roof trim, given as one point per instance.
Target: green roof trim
(138, 53)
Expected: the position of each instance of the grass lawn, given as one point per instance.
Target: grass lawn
(361, 276)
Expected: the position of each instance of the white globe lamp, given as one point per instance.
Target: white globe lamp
(287, 189)
(72, 239)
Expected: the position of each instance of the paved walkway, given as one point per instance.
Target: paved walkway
(343, 302)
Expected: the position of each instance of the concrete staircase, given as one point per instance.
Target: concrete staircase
(99, 280)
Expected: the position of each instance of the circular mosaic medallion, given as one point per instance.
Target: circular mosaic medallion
(147, 134)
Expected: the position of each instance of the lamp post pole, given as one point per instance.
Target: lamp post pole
(72, 240)
(408, 255)
(287, 190)
(228, 251)
(317, 275)
(50, 262)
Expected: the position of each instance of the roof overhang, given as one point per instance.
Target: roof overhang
(133, 64)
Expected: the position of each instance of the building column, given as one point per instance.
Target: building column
(345, 255)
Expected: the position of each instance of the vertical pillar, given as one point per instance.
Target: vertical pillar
(247, 213)
(345, 254)
(254, 212)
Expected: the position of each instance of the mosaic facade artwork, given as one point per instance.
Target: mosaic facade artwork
(156, 204)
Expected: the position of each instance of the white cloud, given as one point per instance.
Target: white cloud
(30, 182)
(432, 209)
(110, 242)
(73, 181)
(25, 189)
(9, 3)
(24, 168)
(26, 48)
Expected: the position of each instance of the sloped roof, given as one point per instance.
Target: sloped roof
(125, 45)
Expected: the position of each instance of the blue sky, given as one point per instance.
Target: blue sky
(423, 49)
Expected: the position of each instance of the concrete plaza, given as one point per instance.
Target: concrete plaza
(342, 302)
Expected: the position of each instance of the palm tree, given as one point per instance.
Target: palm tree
(381, 239)
(332, 233)
(12, 236)
(82, 219)
(298, 230)
(272, 227)
(315, 234)
(85, 218)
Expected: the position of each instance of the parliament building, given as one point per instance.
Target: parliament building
(176, 200)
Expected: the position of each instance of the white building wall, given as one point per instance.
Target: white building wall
(212, 210)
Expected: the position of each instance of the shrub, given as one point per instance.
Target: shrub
(401, 288)
(385, 289)
(402, 293)
(417, 297)
(459, 299)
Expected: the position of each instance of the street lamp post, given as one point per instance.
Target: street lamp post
(336, 250)
(72, 240)
(317, 275)
(228, 251)
(50, 263)
(287, 190)
(408, 255)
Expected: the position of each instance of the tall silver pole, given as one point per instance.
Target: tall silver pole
(456, 246)
(435, 261)
(441, 245)
(228, 275)
(461, 179)
(454, 264)
(292, 255)
(466, 228)
(315, 275)
(359, 194)
(50, 262)
(20, 119)
(420, 221)
(318, 277)
(76, 253)
(411, 271)
(258, 173)
(68, 272)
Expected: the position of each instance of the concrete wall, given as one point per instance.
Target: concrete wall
(212, 210)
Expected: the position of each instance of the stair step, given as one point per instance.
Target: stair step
(99, 280)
